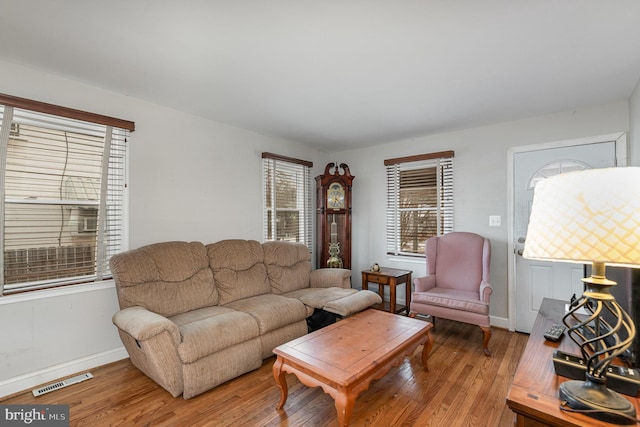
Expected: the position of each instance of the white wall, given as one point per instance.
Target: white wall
(634, 127)
(187, 174)
(480, 184)
(194, 179)
(190, 179)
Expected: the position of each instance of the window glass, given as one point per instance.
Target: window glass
(419, 202)
(555, 168)
(287, 200)
(63, 188)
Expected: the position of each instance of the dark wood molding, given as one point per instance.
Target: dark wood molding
(70, 113)
(266, 155)
(419, 157)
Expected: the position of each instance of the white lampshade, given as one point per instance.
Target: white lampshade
(587, 216)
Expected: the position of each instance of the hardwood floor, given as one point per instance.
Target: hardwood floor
(462, 388)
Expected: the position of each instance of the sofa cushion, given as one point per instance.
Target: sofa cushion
(270, 311)
(288, 266)
(353, 303)
(167, 278)
(330, 277)
(343, 302)
(212, 329)
(238, 269)
(319, 297)
(452, 298)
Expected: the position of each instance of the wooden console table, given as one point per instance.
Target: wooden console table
(534, 392)
(391, 277)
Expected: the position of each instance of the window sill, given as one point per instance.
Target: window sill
(406, 259)
(56, 292)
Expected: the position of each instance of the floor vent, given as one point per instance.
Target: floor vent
(61, 384)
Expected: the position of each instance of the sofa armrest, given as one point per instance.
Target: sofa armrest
(423, 284)
(485, 291)
(330, 277)
(142, 324)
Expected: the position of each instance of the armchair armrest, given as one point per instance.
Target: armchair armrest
(142, 324)
(423, 284)
(485, 291)
(329, 277)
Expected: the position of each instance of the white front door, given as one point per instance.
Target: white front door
(535, 280)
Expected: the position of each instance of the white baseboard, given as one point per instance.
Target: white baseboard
(499, 322)
(45, 376)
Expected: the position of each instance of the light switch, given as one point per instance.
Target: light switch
(495, 220)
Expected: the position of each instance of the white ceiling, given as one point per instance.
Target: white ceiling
(338, 73)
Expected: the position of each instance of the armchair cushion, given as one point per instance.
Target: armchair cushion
(457, 261)
(452, 298)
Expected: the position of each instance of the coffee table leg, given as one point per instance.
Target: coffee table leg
(344, 405)
(281, 382)
(426, 349)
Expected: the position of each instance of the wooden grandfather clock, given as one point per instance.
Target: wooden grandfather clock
(333, 216)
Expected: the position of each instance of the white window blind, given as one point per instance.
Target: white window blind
(62, 187)
(287, 199)
(419, 201)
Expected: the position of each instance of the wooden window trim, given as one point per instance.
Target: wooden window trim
(266, 155)
(419, 157)
(70, 113)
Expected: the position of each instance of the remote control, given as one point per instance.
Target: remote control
(554, 333)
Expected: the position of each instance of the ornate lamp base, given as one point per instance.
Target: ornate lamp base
(593, 395)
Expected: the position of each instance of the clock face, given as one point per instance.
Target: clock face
(335, 196)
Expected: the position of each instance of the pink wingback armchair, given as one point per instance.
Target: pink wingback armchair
(457, 283)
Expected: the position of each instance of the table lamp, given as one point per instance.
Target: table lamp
(591, 216)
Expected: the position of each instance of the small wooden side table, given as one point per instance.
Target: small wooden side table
(391, 277)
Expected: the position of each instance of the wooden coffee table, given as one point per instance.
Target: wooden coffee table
(345, 357)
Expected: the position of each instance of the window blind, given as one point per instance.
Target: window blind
(287, 199)
(419, 201)
(63, 199)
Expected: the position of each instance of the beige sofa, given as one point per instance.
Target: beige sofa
(194, 316)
